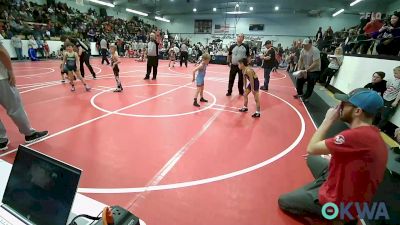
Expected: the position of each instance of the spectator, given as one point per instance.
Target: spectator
(40, 46)
(390, 37)
(292, 61)
(17, 44)
(378, 84)
(328, 34)
(335, 61)
(104, 50)
(357, 164)
(268, 63)
(318, 36)
(33, 43)
(46, 49)
(391, 98)
(370, 28)
(309, 63)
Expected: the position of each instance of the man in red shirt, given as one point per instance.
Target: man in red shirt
(357, 163)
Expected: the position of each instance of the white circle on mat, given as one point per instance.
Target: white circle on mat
(210, 179)
(92, 101)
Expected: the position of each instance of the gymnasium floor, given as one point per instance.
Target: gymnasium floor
(149, 150)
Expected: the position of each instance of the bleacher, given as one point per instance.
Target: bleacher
(54, 21)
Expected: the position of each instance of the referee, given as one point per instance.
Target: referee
(84, 55)
(152, 57)
(236, 52)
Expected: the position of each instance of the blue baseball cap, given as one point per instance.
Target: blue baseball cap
(368, 100)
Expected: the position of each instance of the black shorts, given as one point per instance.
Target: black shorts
(68, 68)
(116, 70)
(256, 85)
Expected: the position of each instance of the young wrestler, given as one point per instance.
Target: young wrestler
(253, 86)
(172, 55)
(114, 64)
(71, 62)
(201, 73)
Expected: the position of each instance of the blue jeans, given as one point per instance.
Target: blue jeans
(267, 72)
(18, 51)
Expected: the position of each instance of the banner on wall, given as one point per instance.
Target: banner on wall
(219, 28)
(372, 15)
(256, 27)
(202, 26)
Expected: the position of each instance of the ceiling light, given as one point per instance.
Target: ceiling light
(338, 12)
(102, 3)
(355, 2)
(251, 8)
(214, 9)
(194, 10)
(236, 12)
(276, 8)
(162, 19)
(136, 12)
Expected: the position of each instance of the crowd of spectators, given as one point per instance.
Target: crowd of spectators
(375, 35)
(53, 22)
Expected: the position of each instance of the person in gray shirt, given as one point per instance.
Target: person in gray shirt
(184, 53)
(17, 44)
(10, 100)
(310, 64)
(237, 52)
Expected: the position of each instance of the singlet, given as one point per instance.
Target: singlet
(113, 58)
(71, 60)
(171, 52)
(202, 71)
(250, 72)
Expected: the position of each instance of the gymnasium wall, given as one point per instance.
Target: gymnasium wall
(395, 5)
(282, 28)
(356, 72)
(53, 45)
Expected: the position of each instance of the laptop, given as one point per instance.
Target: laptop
(40, 190)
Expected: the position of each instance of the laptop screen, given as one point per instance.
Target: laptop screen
(41, 189)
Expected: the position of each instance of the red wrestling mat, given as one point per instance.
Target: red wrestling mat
(150, 150)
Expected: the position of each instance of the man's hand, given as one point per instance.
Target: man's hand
(333, 114)
(394, 104)
(11, 78)
(383, 28)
